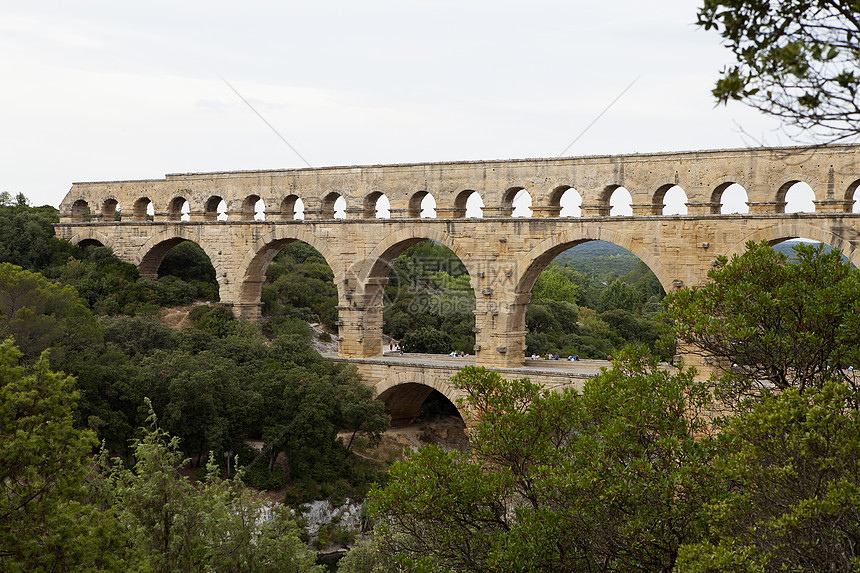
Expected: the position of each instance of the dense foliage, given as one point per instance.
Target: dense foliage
(45, 523)
(41, 314)
(772, 323)
(63, 510)
(429, 301)
(790, 487)
(214, 385)
(299, 283)
(224, 383)
(27, 235)
(573, 314)
(638, 472)
(215, 525)
(610, 479)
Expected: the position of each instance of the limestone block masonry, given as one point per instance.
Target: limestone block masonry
(142, 220)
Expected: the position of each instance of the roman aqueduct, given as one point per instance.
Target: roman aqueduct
(503, 253)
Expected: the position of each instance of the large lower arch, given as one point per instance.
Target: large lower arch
(252, 270)
(529, 267)
(362, 288)
(403, 394)
(90, 237)
(798, 229)
(532, 264)
(378, 262)
(148, 258)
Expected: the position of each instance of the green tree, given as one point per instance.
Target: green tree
(39, 313)
(619, 295)
(367, 556)
(427, 340)
(27, 236)
(361, 414)
(189, 262)
(796, 59)
(205, 400)
(47, 522)
(769, 323)
(178, 526)
(302, 408)
(556, 283)
(111, 286)
(790, 469)
(300, 283)
(634, 329)
(613, 479)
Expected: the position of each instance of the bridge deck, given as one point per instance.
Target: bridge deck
(582, 368)
(404, 381)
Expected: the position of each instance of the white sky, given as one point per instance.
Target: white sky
(109, 90)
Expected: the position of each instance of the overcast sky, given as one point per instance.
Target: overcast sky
(97, 91)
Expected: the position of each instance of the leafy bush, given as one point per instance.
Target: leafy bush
(427, 340)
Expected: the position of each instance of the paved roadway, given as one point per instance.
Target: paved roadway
(582, 367)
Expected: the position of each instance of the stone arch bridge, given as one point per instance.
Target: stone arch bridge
(142, 220)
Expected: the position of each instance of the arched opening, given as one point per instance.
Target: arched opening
(670, 200)
(178, 210)
(587, 299)
(566, 202)
(215, 209)
(333, 207)
(521, 204)
(786, 245)
(475, 206)
(340, 208)
(253, 208)
(728, 198)
(422, 205)
(294, 282)
(183, 270)
(414, 404)
(86, 243)
(797, 196)
(80, 211)
(111, 210)
(620, 201)
(143, 210)
(516, 202)
(468, 203)
(377, 206)
(189, 262)
(292, 208)
(853, 196)
(428, 300)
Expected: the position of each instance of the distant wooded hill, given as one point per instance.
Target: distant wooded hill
(599, 259)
